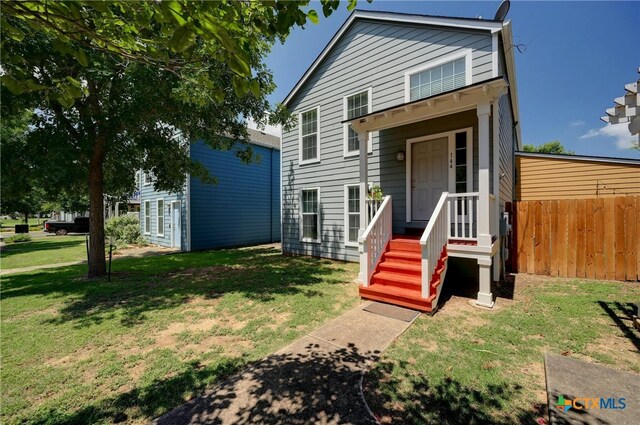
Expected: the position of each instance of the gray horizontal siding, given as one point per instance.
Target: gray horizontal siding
(377, 55)
(506, 159)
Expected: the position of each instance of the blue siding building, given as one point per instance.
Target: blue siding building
(243, 208)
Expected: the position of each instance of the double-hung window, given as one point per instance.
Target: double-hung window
(309, 122)
(355, 105)
(160, 212)
(310, 215)
(352, 214)
(146, 179)
(147, 217)
(443, 76)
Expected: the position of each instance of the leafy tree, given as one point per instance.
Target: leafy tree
(121, 86)
(550, 147)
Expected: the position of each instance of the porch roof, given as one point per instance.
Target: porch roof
(445, 103)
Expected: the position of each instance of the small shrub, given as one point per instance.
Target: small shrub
(125, 230)
(23, 237)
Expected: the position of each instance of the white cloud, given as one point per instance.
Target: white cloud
(623, 138)
(577, 123)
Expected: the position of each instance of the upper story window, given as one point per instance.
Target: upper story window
(146, 179)
(309, 135)
(355, 105)
(438, 77)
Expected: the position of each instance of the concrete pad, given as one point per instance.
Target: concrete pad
(367, 333)
(575, 379)
(310, 381)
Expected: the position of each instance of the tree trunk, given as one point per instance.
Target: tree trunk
(97, 262)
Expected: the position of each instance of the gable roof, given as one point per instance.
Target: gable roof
(443, 21)
(589, 158)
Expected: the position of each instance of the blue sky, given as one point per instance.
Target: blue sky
(577, 58)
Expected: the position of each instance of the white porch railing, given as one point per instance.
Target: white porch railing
(433, 240)
(374, 239)
(373, 205)
(462, 210)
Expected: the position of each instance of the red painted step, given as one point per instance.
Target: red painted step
(409, 245)
(399, 280)
(402, 256)
(392, 265)
(404, 297)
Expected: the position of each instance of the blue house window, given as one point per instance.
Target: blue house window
(438, 79)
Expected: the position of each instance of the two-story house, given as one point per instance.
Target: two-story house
(242, 208)
(426, 108)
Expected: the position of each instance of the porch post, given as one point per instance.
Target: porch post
(363, 141)
(497, 260)
(484, 232)
(485, 297)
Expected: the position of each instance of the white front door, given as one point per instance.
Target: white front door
(429, 176)
(176, 225)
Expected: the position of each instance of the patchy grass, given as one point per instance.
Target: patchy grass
(467, 365)
(47, 250)
(10, 222)
(166, 327)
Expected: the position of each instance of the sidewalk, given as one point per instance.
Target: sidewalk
(317, 379)
(124, 253)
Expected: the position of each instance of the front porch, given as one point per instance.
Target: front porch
(451, 199)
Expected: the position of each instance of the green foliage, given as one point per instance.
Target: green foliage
(122, 86)
(124, 230)
(375, 193)
(550, 147)
(21, 237)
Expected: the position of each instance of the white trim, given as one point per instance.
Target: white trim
(494, 55)
(147, 207)
(158, 210)
(462, 53)
(510, 64)
(173, 230)
(345, 126)
(390, 17)
(347, 242)
(303, 239)
(317, 158)
(450, 135)
(146, 178)
(553, 156)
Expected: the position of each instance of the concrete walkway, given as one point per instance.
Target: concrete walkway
(144, 251)
(317, 379)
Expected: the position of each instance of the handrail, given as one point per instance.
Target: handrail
(462, 195)
(374, 240)
(432, 222)
(462, 209)
(433, 241)
(374, 220)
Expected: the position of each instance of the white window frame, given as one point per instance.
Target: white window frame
(302, 238)
(159, 214)
(347, 242)
(345, 131)
(464, 53)
(146, 179)
(451, 137)
(147, 209)
(317, 158)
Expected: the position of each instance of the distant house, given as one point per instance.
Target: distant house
(243, 208)
(543, 177)
(426, 107)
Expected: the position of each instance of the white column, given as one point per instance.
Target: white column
(485, 297)
(484, 234)
(363, 138)
(496, 186)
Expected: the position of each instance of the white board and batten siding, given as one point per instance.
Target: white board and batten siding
(370, 55)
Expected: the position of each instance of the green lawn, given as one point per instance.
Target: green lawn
(78, 351)
(9, 223)
(46, 250)
(471, 366)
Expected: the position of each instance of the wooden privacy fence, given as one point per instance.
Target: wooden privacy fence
(592, 238)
